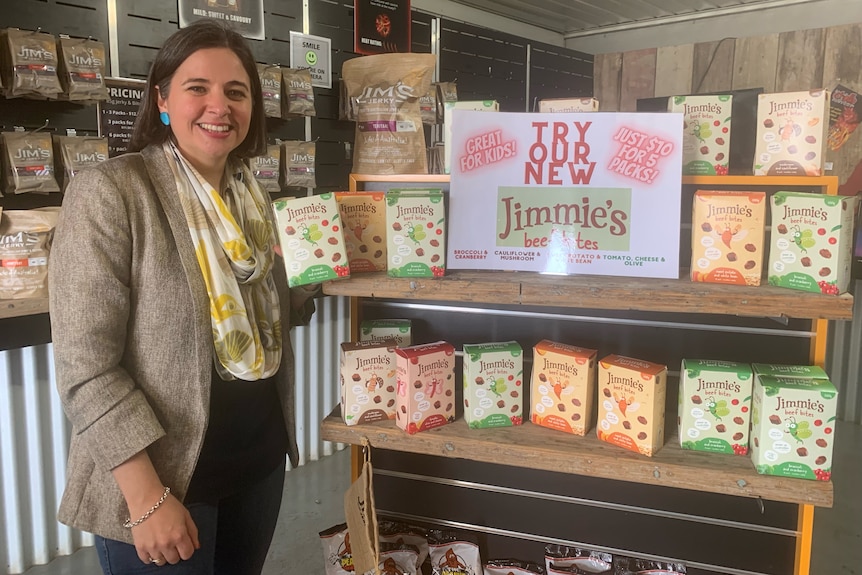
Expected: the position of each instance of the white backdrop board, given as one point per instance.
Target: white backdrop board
(589, 193)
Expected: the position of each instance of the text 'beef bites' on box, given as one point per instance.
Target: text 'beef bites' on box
(727, 231)
(714, 406)
(309, 231)
(425, 386)
(631, 403)
(791, 130)
(378, 329)
(363, 217)
(562, 387)
(416, 233)
(792, 426)
(493, 384)
(706, 133)
(367, 381)
(811, 242)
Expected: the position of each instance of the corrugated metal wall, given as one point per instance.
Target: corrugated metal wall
(34, 435)
(844, 360)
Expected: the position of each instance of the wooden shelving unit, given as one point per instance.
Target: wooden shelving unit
(530, 447)
(10, 308)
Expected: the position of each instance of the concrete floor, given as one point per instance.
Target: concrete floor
(314, 495)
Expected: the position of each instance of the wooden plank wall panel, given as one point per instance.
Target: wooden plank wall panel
(606, 81)
(673, 70)
(712, 69)
(637, 78)
(800, 60)
(841, 65)
(755, 61)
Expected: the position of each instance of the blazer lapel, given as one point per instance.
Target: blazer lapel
(166, 191)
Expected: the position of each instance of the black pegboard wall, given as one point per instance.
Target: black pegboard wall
(485, 64)
(559, 73)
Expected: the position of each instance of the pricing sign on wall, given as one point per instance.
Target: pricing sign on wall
(118, 113)
(566, 193)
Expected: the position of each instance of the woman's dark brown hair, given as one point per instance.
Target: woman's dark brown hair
(182, 44)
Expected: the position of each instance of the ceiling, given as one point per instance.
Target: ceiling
(578, 18)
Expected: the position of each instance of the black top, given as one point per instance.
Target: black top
(245, 441)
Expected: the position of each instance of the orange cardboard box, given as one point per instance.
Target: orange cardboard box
(363, 215)
(563, 387)
(727, 231)
(631, 403)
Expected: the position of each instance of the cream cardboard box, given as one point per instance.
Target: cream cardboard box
(368, 381)
(792, 128)
(563, 105)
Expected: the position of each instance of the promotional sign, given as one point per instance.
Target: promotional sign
(381, 26)
(312, 53)
(588, 193)
(118, 113)
(845, 109)
(245, 16)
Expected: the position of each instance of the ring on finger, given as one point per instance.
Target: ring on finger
(157, 562)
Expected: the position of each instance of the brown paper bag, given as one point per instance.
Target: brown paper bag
(362, 518)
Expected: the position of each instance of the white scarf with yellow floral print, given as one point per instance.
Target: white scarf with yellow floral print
(234, 246)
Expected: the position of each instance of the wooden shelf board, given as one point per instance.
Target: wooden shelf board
(534, 447)
(20, 307)
(598, 292)
(812, 181)
(755, 181)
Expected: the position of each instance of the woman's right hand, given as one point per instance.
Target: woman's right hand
(168, 535)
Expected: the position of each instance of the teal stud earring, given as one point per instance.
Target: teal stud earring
(166, 120)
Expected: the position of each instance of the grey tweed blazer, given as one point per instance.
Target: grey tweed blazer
(132, 338)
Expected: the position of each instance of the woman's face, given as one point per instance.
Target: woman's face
(209, 103)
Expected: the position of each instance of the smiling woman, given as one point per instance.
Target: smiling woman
(183, 410)
(209, 105)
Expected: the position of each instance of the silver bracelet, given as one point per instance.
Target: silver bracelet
(128, 524)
